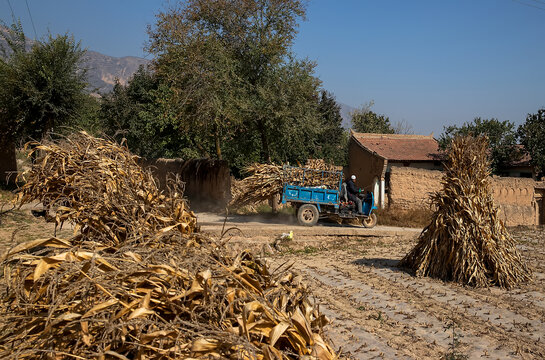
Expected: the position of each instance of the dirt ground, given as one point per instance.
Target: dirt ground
(376, 309)
(380, 311)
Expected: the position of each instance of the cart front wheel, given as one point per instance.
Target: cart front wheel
(370, 221)
(307, 215)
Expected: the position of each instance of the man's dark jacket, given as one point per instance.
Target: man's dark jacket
(351, 188)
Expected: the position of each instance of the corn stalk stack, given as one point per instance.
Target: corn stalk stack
(266, 180)
(466, 242)
(150, 287)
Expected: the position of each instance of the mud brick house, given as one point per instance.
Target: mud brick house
(372, 156)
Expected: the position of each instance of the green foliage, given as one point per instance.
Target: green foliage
(138, 113)
(501, 135)
(332, 141)
(42, 88)
(366, 121)
(532, 136)
(235, 86)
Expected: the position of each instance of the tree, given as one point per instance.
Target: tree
(139, 113)
(42, 88)
(333, 139)
(501, 135)
(532, 136)
(229, 66)
(366, 121)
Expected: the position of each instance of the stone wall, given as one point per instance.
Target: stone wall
(207, 182)
(410, 188)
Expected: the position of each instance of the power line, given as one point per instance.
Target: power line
(530, 5)
(31, 21)
(12, 13)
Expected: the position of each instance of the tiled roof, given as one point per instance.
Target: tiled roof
(524, 160)
(397, 147)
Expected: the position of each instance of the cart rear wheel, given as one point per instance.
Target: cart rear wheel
(307, 215)
(370, 221)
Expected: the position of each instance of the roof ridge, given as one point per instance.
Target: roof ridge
(392, 136)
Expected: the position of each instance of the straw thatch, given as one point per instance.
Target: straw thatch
(466, 242)
(136, 281)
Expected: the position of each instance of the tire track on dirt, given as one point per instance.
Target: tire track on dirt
(516, 331)
(491, 309)
(422, 327)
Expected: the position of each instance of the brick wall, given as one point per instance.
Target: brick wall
(410, 188)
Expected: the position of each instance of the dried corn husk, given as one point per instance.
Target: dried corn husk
(147, 289)
(99, 187)
(266, 180)
(466, 242)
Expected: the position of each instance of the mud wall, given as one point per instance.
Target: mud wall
(410, 188)
(364, 165)
(8, 162)
(207, 182)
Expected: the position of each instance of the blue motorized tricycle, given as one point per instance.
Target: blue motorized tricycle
(322, 201)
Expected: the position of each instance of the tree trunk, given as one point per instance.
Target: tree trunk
(217, 141)
(8, 163)
(266, 154)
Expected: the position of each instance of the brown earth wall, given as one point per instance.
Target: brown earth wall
(8, 162)
(207, 182)
(410, 188)
(365, 174)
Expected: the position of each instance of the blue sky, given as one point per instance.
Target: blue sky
(430, 63)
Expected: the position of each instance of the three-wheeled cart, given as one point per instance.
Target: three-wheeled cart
(316, 202)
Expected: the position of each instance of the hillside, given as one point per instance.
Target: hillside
(103, 70)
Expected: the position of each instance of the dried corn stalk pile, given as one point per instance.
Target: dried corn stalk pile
(98, 186)
(320, 164)
(466, 242)
(145, 289)
(266, 180)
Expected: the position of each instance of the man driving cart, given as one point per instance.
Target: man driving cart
(353, 192)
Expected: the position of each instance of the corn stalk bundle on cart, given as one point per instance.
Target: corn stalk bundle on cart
(319, 194)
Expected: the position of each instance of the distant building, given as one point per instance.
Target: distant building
(520, 168)
(371, 156)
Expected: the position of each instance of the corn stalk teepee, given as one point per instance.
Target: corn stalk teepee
(466, 242)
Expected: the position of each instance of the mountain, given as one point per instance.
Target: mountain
(103, 70)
